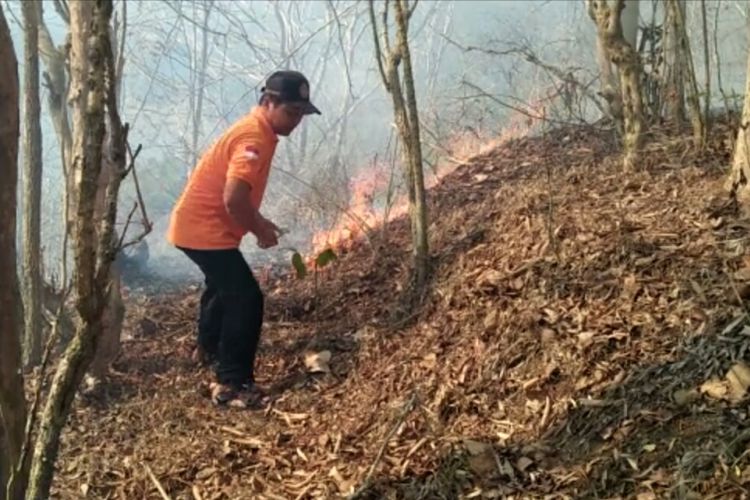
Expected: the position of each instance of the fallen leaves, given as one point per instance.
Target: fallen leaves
(685, 397)
(317, 362)
(738, 378)
(733, 387)
(539, 325)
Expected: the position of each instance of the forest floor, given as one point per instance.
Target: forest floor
(582, 337)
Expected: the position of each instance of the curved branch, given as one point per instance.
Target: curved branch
(378, 50)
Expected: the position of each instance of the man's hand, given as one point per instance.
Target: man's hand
(266, 232)
(237, 204)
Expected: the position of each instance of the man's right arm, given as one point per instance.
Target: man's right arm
(239, 208)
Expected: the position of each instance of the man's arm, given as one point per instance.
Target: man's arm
(239, 208)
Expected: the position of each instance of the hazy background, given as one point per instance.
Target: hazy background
(223, 50)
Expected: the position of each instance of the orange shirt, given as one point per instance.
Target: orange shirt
(200, 220)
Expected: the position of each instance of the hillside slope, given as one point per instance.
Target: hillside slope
(572, 310)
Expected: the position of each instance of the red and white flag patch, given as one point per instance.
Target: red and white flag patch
(251, 153)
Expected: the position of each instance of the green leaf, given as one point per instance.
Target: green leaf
(299, 265)
(324, 258)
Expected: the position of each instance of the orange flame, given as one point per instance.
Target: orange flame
(367, 187)
(361, 215)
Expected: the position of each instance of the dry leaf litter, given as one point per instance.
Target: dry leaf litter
(583, 336)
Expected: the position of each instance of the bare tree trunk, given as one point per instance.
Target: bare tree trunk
(57, 86)
(407, 122)
(674, 71)
(707, 68)
(108, 347)
(91, 65)
(740, 174)
(57, 89)
(676, 10)
(32, 189)
(418, 206)
(717, 58)
(200, 90)
(57, 82)
(114, 313)
(625, 57)
(609, 89)
(12, 401)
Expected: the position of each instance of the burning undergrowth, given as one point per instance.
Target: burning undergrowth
(375, 195)
(575, 315)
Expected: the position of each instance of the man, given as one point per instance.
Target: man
(220, 204)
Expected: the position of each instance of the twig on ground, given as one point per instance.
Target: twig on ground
(156, 482)
(736, 290)
(406, 409)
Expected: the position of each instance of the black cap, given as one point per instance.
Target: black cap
(291, 87)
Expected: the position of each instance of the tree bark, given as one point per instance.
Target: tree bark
(12, 401)
(32, 189)
(57, 89)
(707, 68)
(624, 56)
(407, 122)
(91, 66)
(608, 87)
(686, 76)
(57, 81)
(674, 62)
(108, 347)
(418, 206)
(740, 174)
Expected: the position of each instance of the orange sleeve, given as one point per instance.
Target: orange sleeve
(245, 160)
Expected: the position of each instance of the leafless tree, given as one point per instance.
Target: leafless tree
(32, 187)
(740, 173)
(680, 72)
(12, 404)
(57, 78)
(94, 103)
(606, 15)
(399, 82)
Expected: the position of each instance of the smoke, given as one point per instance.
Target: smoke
(318, 171)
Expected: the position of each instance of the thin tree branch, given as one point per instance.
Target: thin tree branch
(145, 221)
(61, 6)
(409, 406)
(119, 66)
(378, 50)
(341, 44)
(412, 9)
(386, 37)
(483, 93)
(127, 225)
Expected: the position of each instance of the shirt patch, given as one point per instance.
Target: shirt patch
(251, 153)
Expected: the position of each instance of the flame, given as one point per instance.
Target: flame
(361, 214)
(366, 210)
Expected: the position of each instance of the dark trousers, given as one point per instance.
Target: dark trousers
(231, 313)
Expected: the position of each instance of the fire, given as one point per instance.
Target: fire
(367, 209)
(361, 214)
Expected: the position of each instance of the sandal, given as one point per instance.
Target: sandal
(237, 396)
